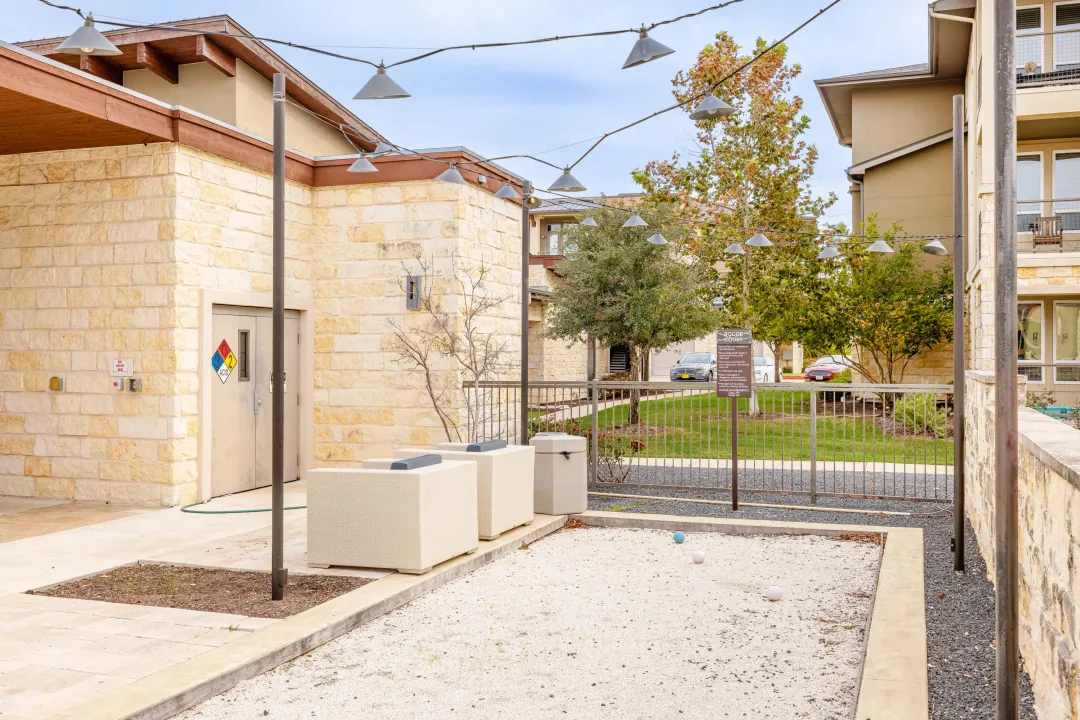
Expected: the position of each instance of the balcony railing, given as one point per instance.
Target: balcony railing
(1048, 58)
(1048, 225)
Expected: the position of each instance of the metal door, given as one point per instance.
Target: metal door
(264, 425)
(233, 406)
(242, 404)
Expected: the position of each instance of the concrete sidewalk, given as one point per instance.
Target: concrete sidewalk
(56, 653)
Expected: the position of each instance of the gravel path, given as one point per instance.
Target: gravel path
(959, 607)
(600, 623)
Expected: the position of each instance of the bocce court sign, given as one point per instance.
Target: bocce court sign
(734, 363)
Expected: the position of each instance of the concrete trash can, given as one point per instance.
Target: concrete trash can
(561, 479)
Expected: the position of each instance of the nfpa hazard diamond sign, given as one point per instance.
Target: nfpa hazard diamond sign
(223, 361)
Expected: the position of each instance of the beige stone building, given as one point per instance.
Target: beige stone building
(135, 237)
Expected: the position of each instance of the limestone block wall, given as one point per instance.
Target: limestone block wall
(87, 267)
(1049, 540)
(365, 240)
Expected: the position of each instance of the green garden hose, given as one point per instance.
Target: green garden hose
(232, 512)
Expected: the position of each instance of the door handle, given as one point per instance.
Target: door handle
(258, 402)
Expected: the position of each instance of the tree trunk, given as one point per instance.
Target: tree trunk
(635, 395)
(777, 359)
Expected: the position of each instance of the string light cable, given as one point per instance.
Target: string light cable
(429, 53)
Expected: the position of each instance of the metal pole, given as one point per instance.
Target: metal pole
(1006, 566)
(959, 273)
(277, 569)
(526, 193)
(595, 390)
(735, 452)
(813, 446)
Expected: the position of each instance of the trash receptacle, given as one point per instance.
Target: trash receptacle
(561, 479)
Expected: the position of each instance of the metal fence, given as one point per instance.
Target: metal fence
(813, 439)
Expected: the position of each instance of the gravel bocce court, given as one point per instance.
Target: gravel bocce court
(601, 623)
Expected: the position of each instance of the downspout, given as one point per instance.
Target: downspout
(862, 200)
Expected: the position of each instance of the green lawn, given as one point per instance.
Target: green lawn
(700, 426)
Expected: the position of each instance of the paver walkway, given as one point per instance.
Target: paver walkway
(27, 517)
(57, 652)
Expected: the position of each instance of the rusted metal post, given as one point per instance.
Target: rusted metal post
(735, 453)
(277, 479)
(526, 193)
(1006, 550)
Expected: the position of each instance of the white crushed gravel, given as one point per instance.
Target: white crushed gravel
(600, 623)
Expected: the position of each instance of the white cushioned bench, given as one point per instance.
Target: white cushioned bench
(504, 479)
(407, 520)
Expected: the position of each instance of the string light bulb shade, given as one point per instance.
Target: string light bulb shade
(635, 221)
(384, 148)
(759, 240)
(589, 222)
(452, 176)
(362, 165)
(934, 247)
(879, 246)
(381, 87)
(711, 108)
(657, 239)
(735, 249)
(567, 183)
(645, 50)
(87, 40)
(828, 253)
(507, 192)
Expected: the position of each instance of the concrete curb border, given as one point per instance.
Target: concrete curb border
(893, 684)
(186, 684)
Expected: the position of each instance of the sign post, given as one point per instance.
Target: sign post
(734, 380)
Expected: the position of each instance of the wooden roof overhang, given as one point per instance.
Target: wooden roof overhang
(162, 50)
(50, 106)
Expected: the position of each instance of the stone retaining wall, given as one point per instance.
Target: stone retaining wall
(1049, 502)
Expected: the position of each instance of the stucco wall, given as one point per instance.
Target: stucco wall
(888, 118)
(106, 254)
(1049, 540)
(202, 88)
(915, 190)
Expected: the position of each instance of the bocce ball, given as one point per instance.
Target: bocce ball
(774, 593)
(699, 556)
(680, 536)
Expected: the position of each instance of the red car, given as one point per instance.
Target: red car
(826, 368)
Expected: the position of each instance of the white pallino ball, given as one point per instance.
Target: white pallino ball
(699, 556)
(774, 593)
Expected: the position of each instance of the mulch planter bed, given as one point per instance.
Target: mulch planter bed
(236, 592)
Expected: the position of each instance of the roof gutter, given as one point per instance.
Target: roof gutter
(954, 18)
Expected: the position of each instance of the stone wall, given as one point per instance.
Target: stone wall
(106, 253)
(1049, 539)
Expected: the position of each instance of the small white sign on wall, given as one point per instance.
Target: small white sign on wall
(121, 367)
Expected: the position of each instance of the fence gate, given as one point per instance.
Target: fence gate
(812, 439)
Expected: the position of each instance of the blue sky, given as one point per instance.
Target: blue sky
(534, 98)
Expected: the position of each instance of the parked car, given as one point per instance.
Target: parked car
(694, 367)
(764, 370)
(826, 368)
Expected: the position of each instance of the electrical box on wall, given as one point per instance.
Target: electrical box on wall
(413, 288)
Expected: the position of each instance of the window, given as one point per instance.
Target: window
(1067, 341)
(1067, 187)
(243, 346)
(1028, 187)
(1029, 39)
(413, 288)
(1029, 338)
(699, 358)
(1067, 36)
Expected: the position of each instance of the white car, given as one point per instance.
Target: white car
(764, 370)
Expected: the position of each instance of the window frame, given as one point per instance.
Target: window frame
(1071, 363)
(1041, 29)
(1054, 175)
(1042, 341)
(1042, 186)
(1075, 26)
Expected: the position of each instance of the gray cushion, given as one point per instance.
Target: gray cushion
(486, 446)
